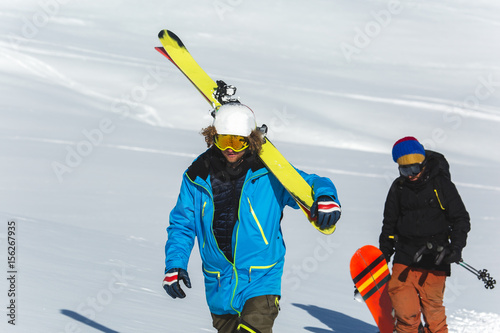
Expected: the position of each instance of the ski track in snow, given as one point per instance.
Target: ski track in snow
(482, 112)
(110, 146)
(190, 155)
(456, 108)
(135, 110)
(77, 53)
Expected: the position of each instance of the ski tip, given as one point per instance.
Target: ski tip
(162, 34)
(162, 51)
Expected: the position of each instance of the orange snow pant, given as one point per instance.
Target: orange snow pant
(416, 291)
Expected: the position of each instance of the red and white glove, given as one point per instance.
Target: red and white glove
(171, 282)
(326, 210)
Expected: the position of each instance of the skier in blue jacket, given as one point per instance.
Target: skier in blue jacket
(234, 206)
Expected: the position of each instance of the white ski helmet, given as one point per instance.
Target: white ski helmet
(234, 119)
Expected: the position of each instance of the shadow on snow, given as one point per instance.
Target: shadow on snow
(336, 321)
(87, 321)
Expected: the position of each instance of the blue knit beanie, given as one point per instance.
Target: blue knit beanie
(408, 151)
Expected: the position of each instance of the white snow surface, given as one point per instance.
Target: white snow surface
(97, 128)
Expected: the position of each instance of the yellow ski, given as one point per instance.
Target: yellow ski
(180, 57)
(175, 51)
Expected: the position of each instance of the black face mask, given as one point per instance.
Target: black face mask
(410, 169)
(222, 169)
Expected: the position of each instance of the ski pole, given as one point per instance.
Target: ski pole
(489, 281)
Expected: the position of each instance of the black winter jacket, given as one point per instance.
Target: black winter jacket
(428, 210)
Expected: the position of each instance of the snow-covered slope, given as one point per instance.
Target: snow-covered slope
(96, 129)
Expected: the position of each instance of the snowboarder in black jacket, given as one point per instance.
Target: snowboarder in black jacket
(425, 224)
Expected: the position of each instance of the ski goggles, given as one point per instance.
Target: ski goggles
(410, 170)
(236, 142)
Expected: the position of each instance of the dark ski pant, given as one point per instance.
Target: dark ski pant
(416, 291)
(257, 316)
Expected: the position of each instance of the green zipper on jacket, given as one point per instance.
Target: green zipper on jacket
(213, 212)
(257, 267)
(203, 215)
(203, 209)
(257, 221)
(213, 272)
(236, 245)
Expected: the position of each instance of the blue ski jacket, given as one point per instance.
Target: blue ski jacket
(257, 240)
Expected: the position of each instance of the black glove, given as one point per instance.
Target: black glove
(326, 210)
(171, 282)
(449, 255)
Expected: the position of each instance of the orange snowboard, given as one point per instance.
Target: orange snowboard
(371, 275)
